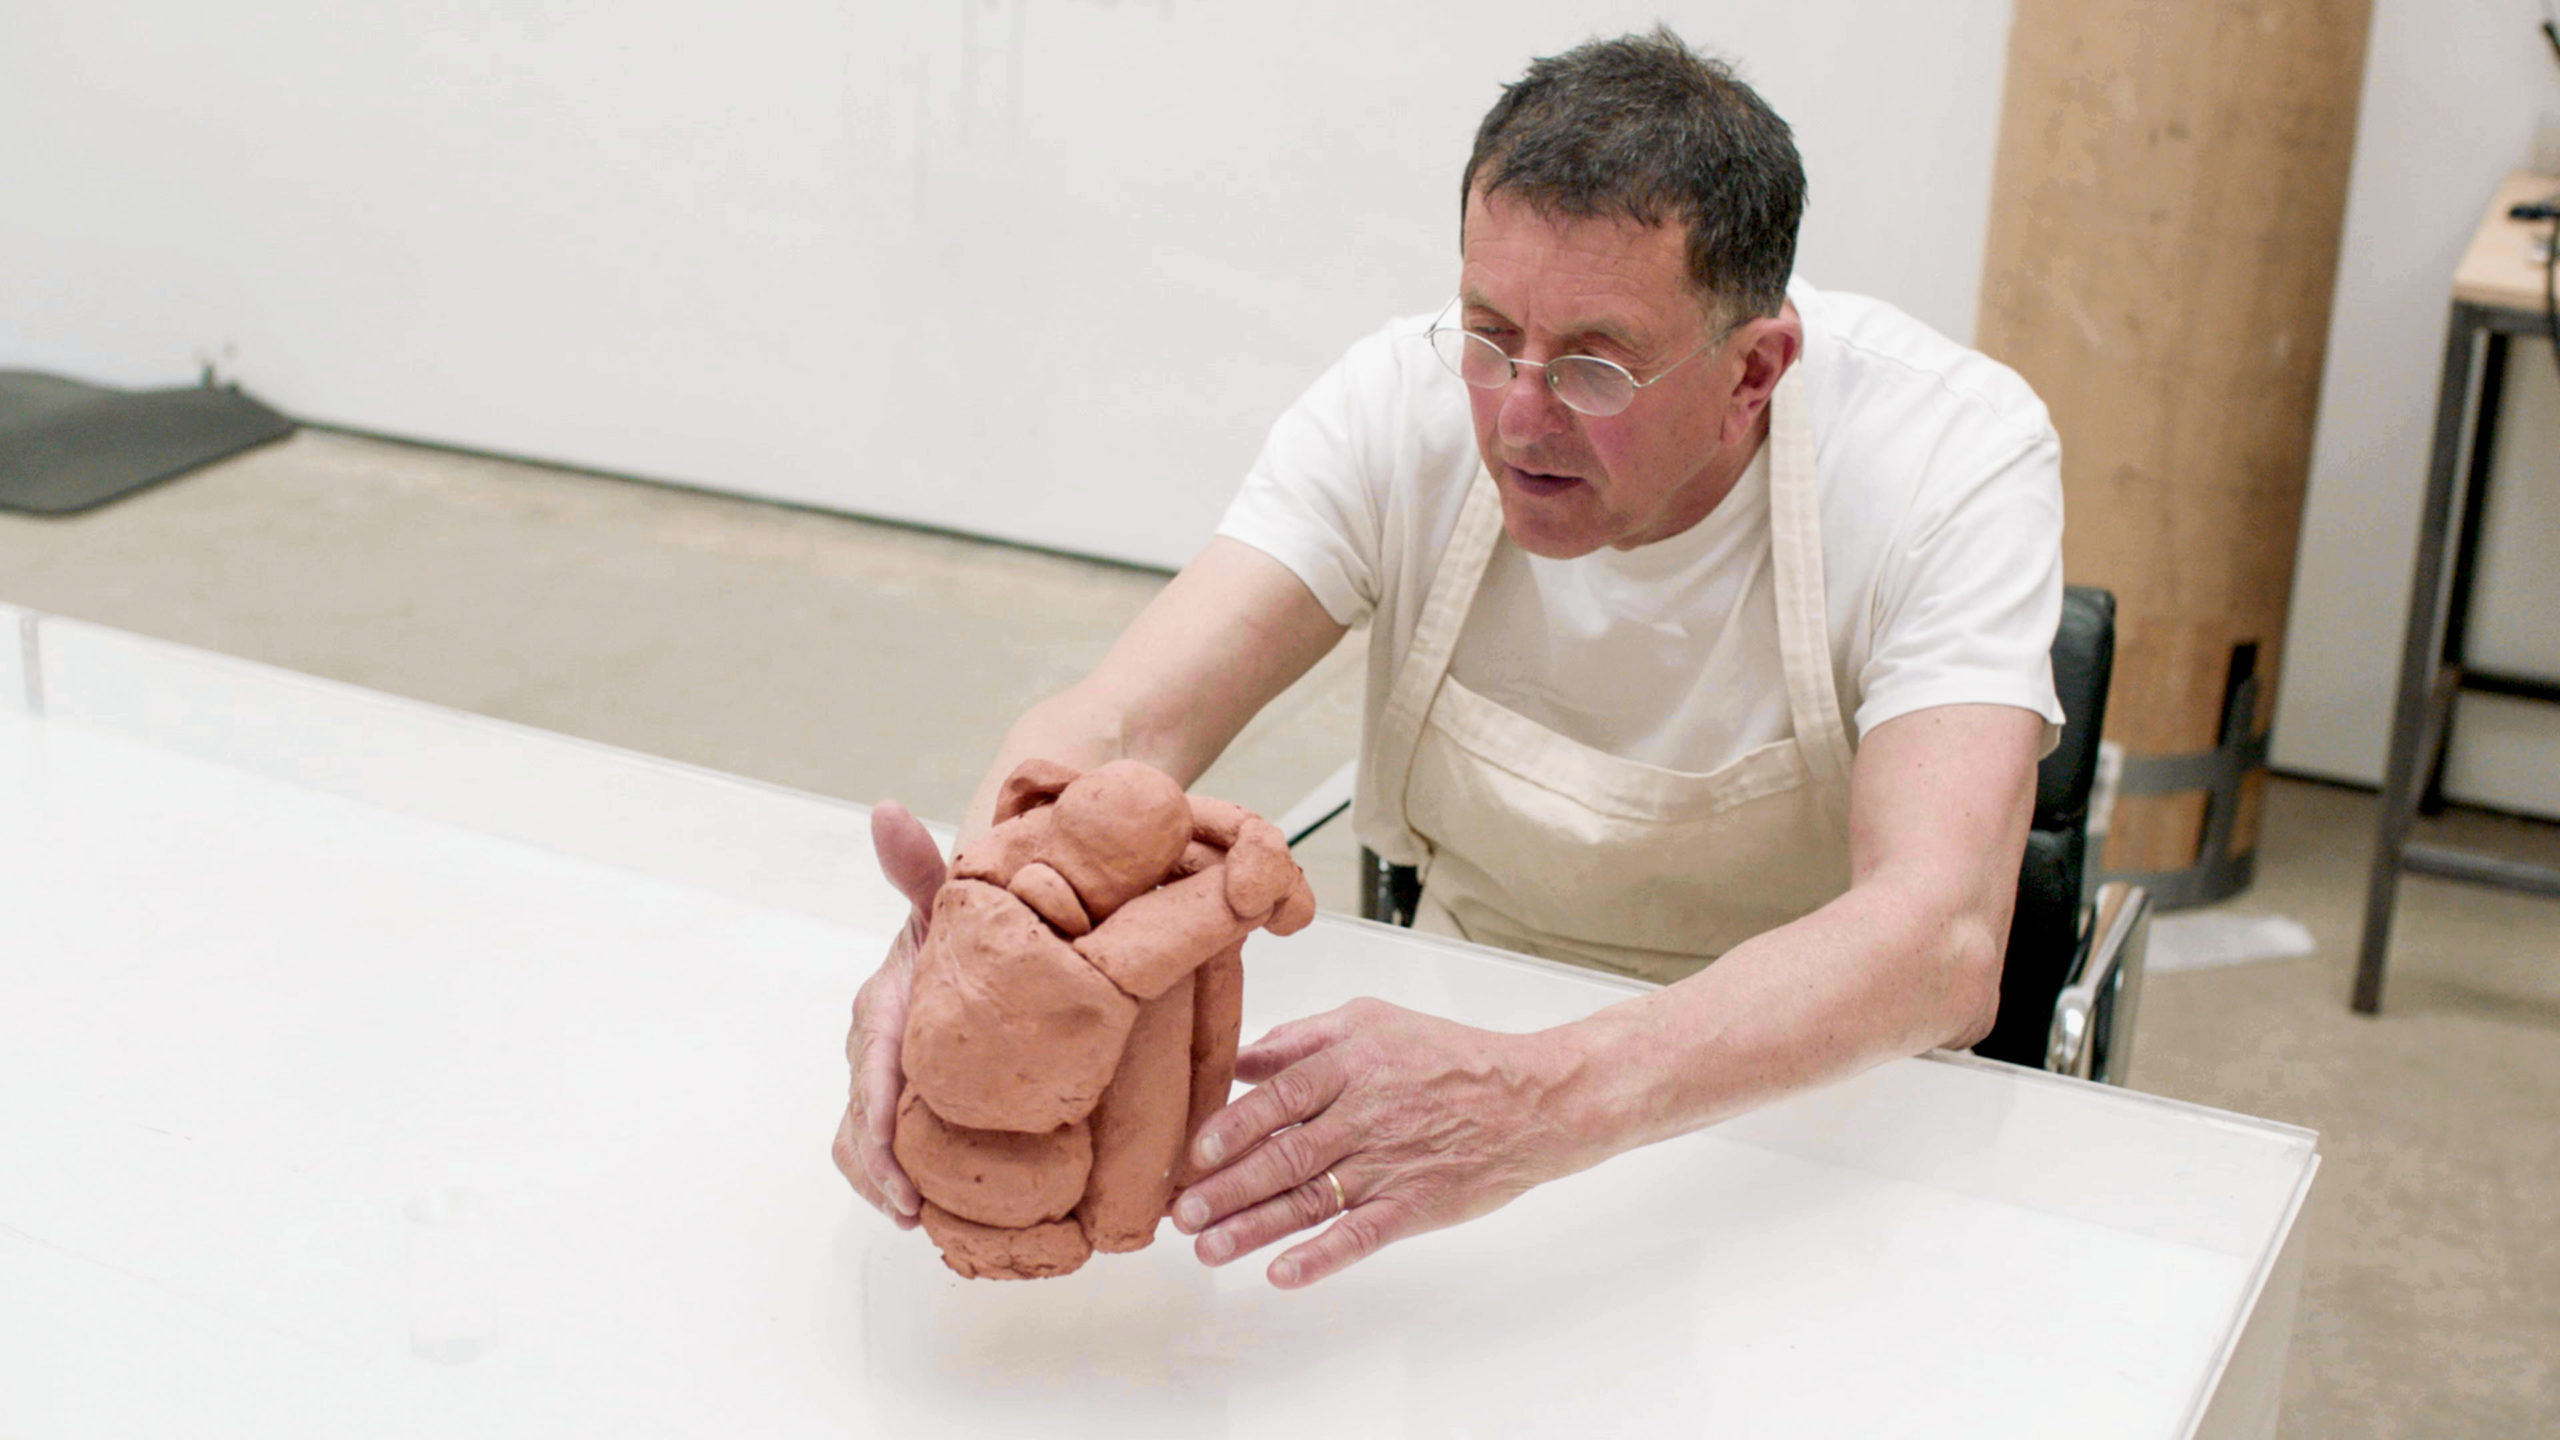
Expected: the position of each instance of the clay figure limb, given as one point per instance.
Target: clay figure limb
(1048, 893)
(1165, 934)
(1259, 870)
(1296, 911)
(995, 856)
(1196, 857)
(994, 1177)
(1214, 822)
(1217, 1018)
(1139, 1127)
(1169, 931)
(1266, 880)
(1032, 784)
(988, 1252)
(1009, 1029)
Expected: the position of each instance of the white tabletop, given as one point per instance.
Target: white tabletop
(369, 1069)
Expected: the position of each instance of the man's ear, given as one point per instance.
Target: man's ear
(1769, 348)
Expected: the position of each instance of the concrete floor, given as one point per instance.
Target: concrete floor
(865, 661)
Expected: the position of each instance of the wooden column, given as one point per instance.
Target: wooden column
(2165, 221)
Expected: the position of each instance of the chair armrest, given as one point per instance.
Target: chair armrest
(2092, 1034)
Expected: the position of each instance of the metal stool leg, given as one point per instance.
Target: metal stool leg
(2418, 658)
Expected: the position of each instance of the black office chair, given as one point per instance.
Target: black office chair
(2072, 980)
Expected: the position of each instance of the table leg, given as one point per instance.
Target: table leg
(2418, 660)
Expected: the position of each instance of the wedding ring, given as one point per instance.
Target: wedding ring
(1339, 1203)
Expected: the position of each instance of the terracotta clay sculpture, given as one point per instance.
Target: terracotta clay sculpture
(1074, 1012)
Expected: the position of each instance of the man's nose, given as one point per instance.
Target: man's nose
(1530, 411)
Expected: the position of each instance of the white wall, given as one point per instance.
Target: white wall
(1040, 269)
(1045, 269)
(2454, 97)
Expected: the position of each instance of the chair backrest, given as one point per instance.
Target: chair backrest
(2084, 661)
(2044, 931)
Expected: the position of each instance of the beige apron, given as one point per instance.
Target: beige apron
(1537, 843)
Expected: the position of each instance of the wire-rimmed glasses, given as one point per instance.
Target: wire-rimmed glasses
(1585, 383)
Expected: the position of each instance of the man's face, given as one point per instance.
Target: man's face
(1571, 483)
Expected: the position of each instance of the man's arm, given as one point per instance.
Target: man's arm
(1425, 1123)
(1215, 646)
(1231, 632)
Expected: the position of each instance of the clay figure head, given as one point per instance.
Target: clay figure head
(1118, 829)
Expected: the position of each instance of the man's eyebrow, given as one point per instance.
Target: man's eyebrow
(1610, 331)
(1601, 329)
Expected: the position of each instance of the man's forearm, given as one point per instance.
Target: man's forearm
(1878, 974)
(1909, 958)
(1069, 728)
(1225, 636)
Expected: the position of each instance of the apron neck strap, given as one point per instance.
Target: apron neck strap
(1804, 619)
(1435, 631)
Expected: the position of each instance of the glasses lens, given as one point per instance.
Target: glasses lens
(1472, 358)
(1592, 385)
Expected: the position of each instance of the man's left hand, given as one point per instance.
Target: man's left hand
(1420, 1122)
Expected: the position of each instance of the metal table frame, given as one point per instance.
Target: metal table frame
(2433, 667)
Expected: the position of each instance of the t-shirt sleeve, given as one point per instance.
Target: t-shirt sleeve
(1314, 500)
(1968, 601)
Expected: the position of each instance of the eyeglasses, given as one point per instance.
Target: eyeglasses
(1585, 383)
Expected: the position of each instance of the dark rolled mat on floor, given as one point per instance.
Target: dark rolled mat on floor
(67, 446)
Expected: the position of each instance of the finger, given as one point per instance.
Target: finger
(879, 1007)
(1297, 1208)
(908, 857)
(1361, 1231)
(1292, 1097)
(1286, 1045)
(848, 1158)
(876, 1048)
(879, 1041)
(877, 1096)
(1278, 1143)
(894, 1193)
(849, 1163)
(899, 1199)
(1296, 1156)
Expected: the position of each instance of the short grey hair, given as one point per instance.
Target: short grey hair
(1646, 129)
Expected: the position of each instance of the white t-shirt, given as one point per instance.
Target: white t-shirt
(1941, 513)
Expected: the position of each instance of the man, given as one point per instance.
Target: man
(1635, 573)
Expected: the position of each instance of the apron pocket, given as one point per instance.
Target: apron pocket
(1619, 788)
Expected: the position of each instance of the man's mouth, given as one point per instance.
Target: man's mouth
(1538, 483)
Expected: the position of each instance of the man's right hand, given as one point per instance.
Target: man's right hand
(913, 863)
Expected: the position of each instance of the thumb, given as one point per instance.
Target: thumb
(908, 857)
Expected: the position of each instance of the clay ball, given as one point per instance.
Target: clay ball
(1117, 831)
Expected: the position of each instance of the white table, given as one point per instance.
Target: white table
(371, 1069)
